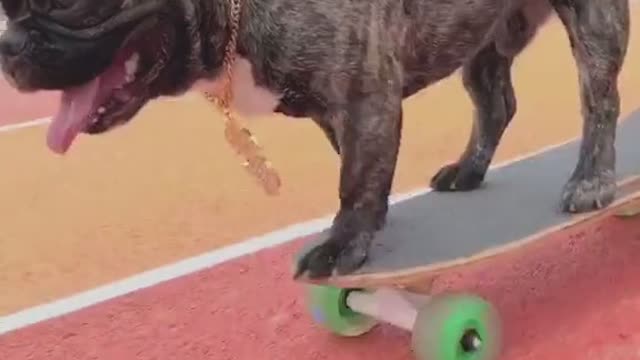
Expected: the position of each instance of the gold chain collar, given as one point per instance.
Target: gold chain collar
(238, 136)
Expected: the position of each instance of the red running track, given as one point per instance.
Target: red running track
(573, 296)
(17, 107)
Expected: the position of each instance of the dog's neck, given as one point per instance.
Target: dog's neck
(231, 72)
(217, 25)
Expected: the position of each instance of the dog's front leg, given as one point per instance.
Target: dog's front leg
(330, 124)
(369, 140)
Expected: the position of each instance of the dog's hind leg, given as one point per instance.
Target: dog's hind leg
(487, 79)
(599, 34)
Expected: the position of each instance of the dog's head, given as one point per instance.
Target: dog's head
(108, 57)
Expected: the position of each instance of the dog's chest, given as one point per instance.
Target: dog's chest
(248, 99)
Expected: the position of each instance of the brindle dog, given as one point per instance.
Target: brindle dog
(347, 64)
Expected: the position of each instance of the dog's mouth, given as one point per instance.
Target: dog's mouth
(115, 95)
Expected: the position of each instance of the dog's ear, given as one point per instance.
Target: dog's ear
(13, 8)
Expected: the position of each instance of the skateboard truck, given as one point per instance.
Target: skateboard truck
(443, 327)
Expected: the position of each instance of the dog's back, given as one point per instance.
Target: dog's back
(445, 34)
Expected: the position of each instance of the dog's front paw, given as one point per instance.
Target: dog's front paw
(335, 256)
(457, 177)
(586, 193)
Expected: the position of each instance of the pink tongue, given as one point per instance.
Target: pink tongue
(76, 107)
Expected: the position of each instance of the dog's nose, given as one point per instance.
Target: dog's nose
(12, 42)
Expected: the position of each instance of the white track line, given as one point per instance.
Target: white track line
(187, 266)
(24, 125)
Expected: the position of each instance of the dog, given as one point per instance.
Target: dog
(345, 64)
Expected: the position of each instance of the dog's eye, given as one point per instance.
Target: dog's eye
(44, 6)
(41, 5)
(13, 7)
(62, 4)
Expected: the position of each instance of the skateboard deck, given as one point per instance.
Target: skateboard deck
(517, 205)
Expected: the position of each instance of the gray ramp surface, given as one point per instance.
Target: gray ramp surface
(517, 200)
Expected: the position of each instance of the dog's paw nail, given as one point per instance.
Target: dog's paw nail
(588, 194)
(456, 177)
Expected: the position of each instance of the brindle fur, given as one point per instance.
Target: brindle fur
(348, 65)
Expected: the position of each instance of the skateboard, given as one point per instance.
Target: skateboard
(434, 232)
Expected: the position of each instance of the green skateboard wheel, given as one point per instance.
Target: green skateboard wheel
(457, 327)
(328, 306)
